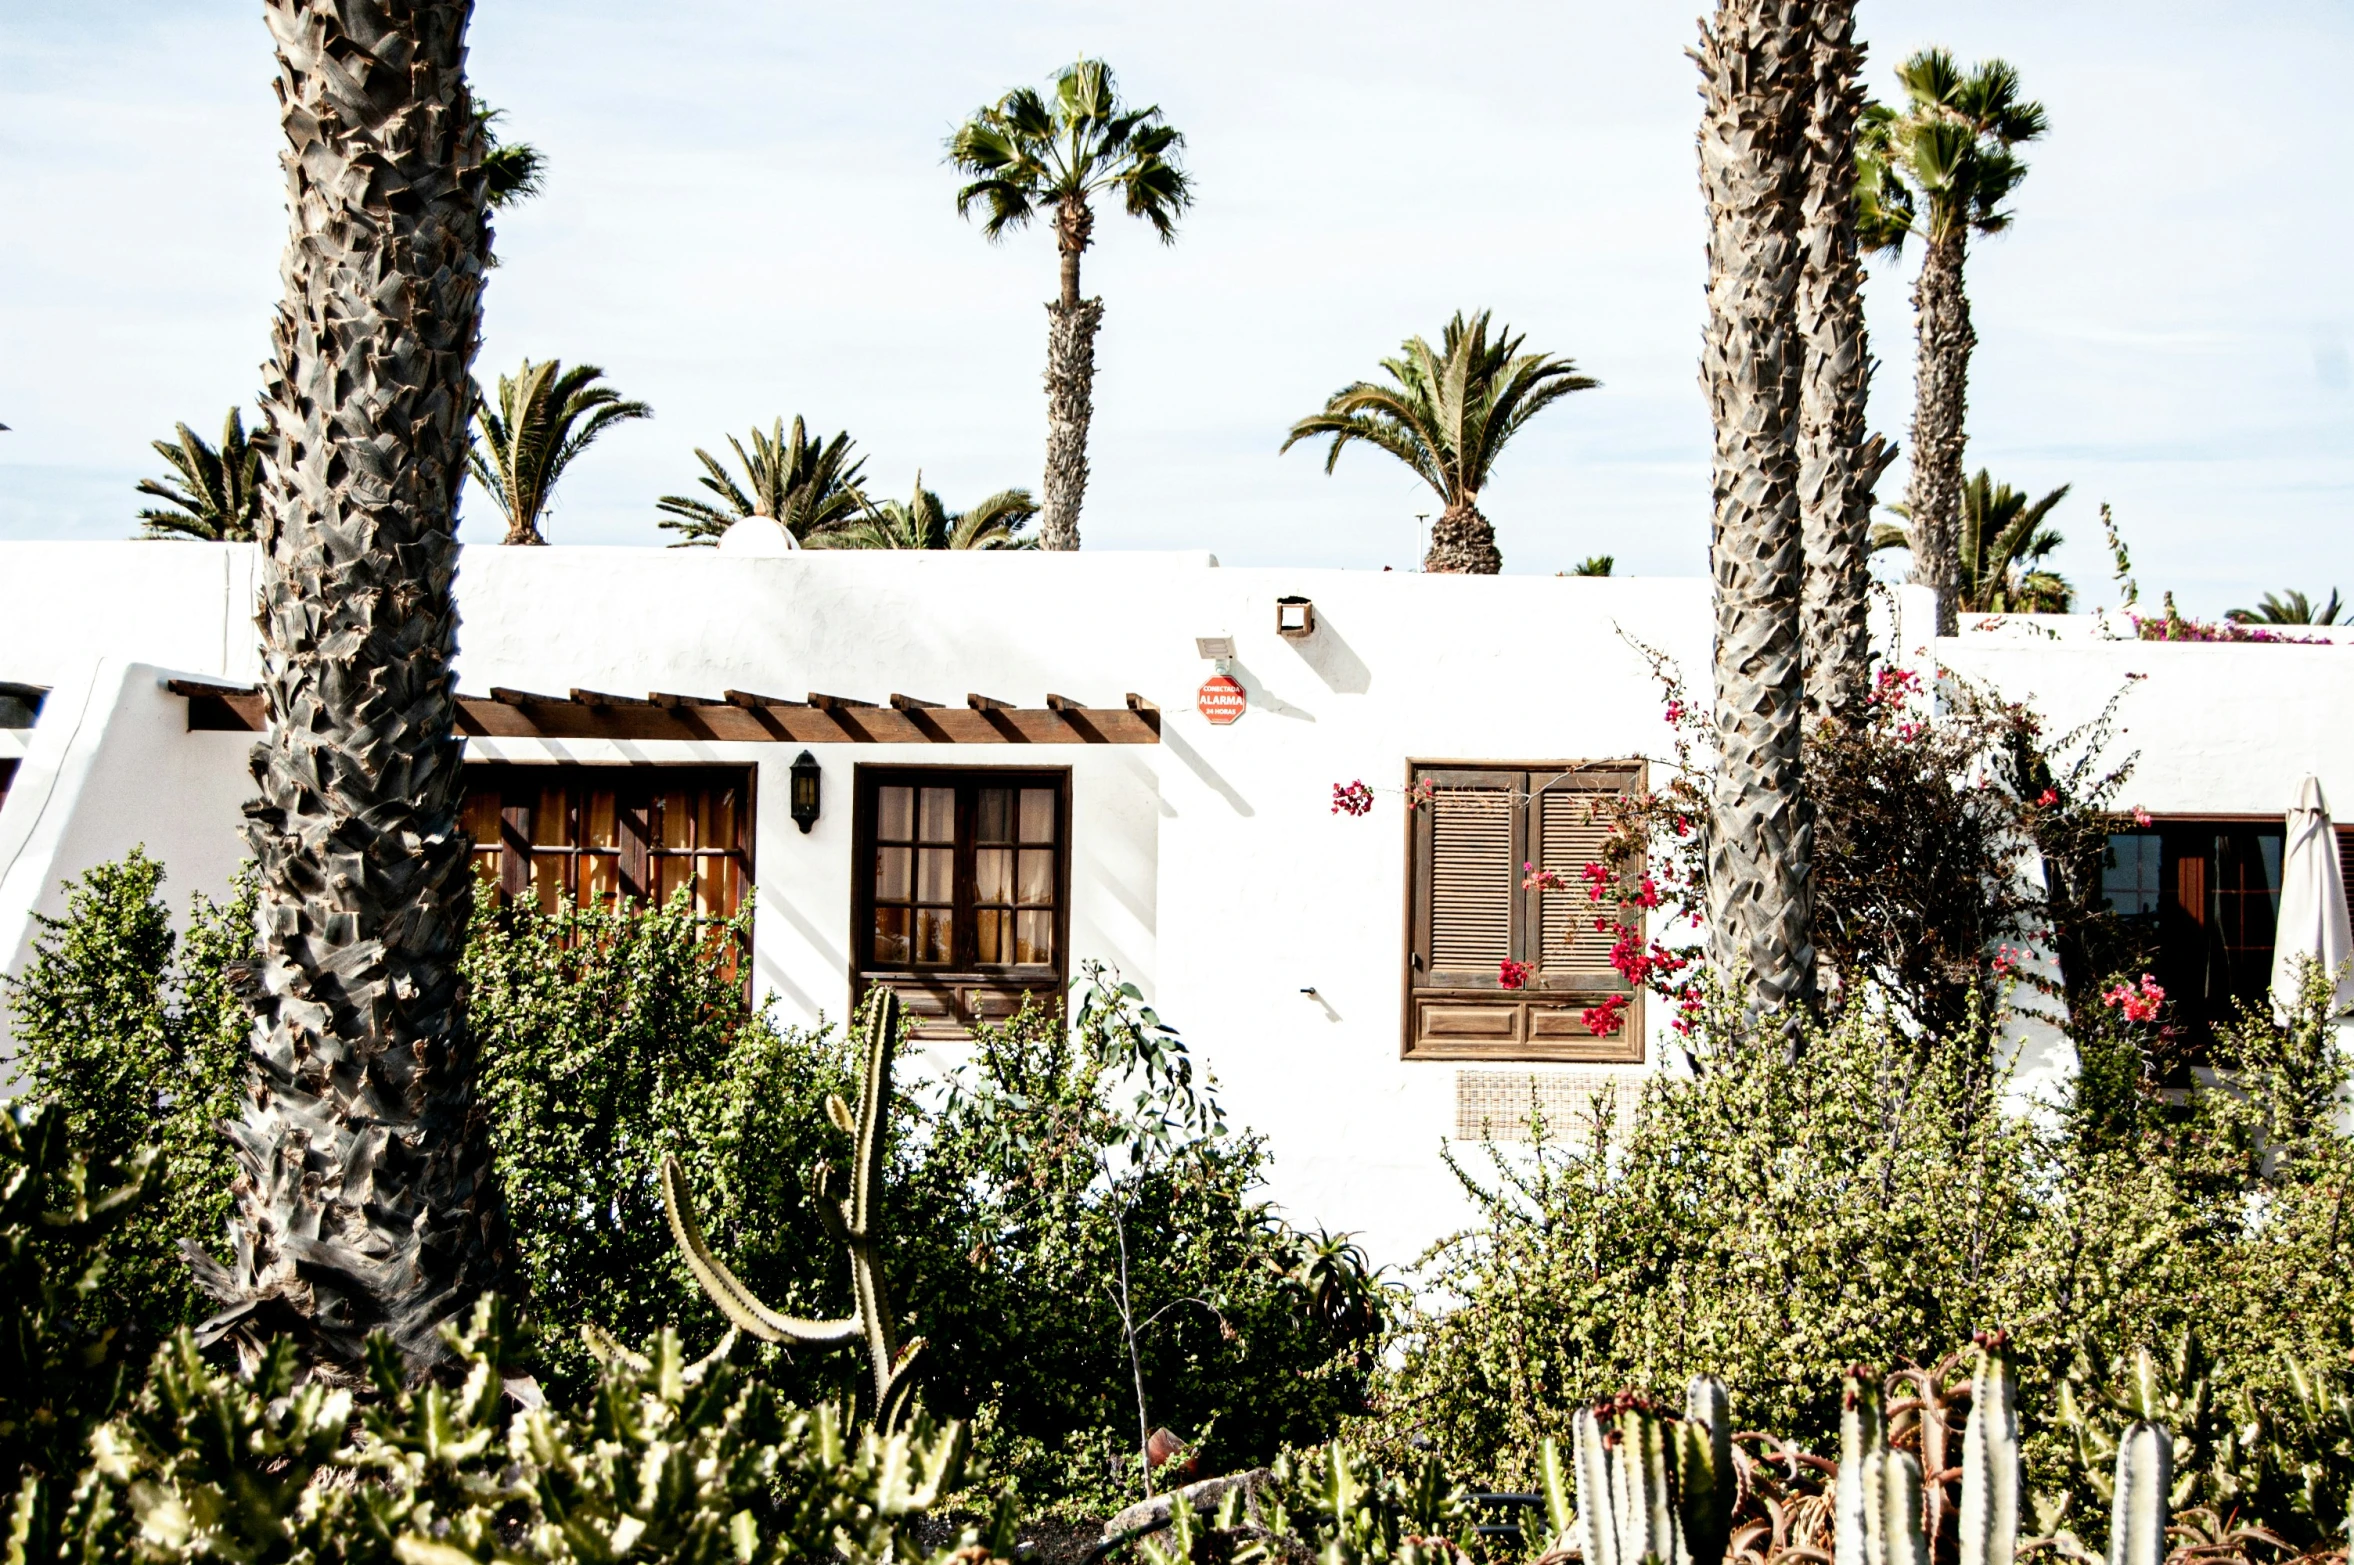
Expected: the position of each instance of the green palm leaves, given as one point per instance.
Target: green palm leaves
(924, 523)
(2289, 608)
(1021, 153)
(1945, 163)
(1447, 413)
(543, 418)
(217, 494)
(2003, 543)
(808, 486)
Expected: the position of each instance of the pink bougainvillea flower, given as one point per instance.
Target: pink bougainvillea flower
(1511, 974)
(1603, 1020)
(1535, 879)
(2141, 817)
(1351, 798)
(2139, 1004)
(2047, 799)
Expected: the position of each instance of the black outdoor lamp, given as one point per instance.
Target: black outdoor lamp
(805, 791)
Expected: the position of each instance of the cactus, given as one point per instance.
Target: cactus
(1863, 1454)
(2145, 1475)
(1651, 1487)
(857, 1222)
(1990, 1459)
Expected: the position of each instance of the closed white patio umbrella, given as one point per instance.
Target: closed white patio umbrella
(2312, 922)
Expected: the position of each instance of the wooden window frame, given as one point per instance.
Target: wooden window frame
(1542, 1023)
(946, 1002)
(2196, 908)
(637, 852)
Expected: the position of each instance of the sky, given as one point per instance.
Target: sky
(749, 215)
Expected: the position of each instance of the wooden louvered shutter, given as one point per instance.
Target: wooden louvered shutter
(2346, 865)
(1568, 820)
(1469, 846)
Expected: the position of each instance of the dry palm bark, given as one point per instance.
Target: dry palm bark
(1071, 324)
(1756, 82)
(1462, 540)
(365, 1197)
(1839, 462)
(1941, 313)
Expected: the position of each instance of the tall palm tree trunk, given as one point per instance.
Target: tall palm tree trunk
(1754, 66)
(1838, 461)
(1463, 542)
(365, 1197)
(1071, 324)
(1941, 313)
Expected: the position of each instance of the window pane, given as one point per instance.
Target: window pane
(993, 937)
(895, 815)
(993, 875)
(715, 818)
(894, 871)
(481, 817)
(935, 874)
(1038, 815)
(486, 868)
(600, 879)
(678, 821)
(548, 871)
(994, 820)
(939, 819)
(551, 823)
(1037, 877)
(670, 873)
(1034, 938)
(599, 820)
(891, 948)
(932, 927)
(2129, 873)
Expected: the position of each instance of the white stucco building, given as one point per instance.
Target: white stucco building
(1032, 784)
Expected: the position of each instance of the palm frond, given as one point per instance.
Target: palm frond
(542, 419)
(216, 493)
(1024, 153)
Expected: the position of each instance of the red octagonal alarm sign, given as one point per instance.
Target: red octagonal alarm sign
(1222, 699)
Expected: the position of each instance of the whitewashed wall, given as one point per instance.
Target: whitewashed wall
(1209, 868)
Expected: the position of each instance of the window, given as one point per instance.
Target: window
(605, 833)
(1469, 914)
(2202, 897)
(961, 890)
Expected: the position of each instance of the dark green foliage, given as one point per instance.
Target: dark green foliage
(138, 1037)
(62, 1373)
(611, 1039)
(1058, 1145)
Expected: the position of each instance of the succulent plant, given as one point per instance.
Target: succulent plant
(1650, 1486)
(856, 1220)
(2145, 1479)
(1990, 1459)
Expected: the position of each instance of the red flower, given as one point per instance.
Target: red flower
(1511, 974)
(1603, 1020)
(1535, 879)
(2139, 1005)
(2141, 817)
(1351, 798)
(2047, 799)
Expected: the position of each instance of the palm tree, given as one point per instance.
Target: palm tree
(366, 1197)
(2290, 608)
(809, 486)
(1757, 75)
(2002, 547)
(1595, 565)
(1839, 460)
(1447, 415)
(923, 523)
(217, 495)
(1021, 154)
(1941, 168)
(544, 417)
(512, 171)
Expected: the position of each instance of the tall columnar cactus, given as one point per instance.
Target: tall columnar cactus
(1990, 1459)
(1857, 1506)
(2145, 1477)
(1650, 1487)
(856, 1221)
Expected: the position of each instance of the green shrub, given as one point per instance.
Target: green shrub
(138, 1037)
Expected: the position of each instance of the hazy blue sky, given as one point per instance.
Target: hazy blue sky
(748, 215)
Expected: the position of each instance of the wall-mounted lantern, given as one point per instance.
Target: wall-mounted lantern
(1295, 618)
(805, 791)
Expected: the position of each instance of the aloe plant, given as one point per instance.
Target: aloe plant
(856, 1219)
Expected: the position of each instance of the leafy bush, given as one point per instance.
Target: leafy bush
(137, 1036)
(608, 1039)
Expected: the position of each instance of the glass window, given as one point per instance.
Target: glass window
(611, 835)
(2129, 874)
(966, 871)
